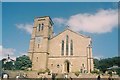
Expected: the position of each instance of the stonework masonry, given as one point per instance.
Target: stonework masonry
(66, 52)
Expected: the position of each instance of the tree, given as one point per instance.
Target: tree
(118, 71)
(23, 62)
(8, 66)
(103, 64)
(0, 64)
(96, 63)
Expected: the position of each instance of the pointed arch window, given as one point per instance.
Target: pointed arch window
(37, 59)
(67, 49)
(71, 47)
(42, 26)
(62, 53)
(38, 45)
(39, 27)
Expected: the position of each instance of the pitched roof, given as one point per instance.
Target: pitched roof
(71, 31)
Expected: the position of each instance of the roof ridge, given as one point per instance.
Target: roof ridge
(68, 28)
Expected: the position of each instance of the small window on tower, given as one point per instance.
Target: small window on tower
(39, 26)
(49, 37)
(42, 26)
(38, 45)
(37, 59)
(52, 65)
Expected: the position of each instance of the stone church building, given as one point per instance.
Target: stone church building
(66, 52)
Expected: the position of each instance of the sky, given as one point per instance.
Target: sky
(0, 23)
(0, 28)
(60, 0)
(98, 20)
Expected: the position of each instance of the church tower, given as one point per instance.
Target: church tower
(39, 43)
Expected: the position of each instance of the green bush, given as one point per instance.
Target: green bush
(8, 66)
(23, 62)
(95, 72)
(110, 73)
(41, 71)
(77, 73)
(118, 71)
(47, 70)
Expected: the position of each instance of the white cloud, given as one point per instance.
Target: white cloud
(23, 53)
(100, 22)
(0, 49)
(5, 51)
(0, 52)
(59, 21)
(98, 57)
(26, 27)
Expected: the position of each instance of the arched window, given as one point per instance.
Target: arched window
(38, 45)
(67, 38)
(62, 53)
(71, 47)
(42, 26)
(39, 27)
(90, 43)
(37, 59)
(82, 65)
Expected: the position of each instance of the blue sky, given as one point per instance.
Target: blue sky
(15, 38)
(60, 0)
(0, 23)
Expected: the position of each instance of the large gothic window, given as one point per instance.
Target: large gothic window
(67, 38)
(62, 52)
(71, 47)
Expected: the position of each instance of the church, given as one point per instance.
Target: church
(65, 52)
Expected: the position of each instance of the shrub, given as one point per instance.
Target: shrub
(77, 73)
(118, 71)
(41, 71)
(95, 72)
(110, 73)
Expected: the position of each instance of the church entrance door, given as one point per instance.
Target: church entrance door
(67, 66)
